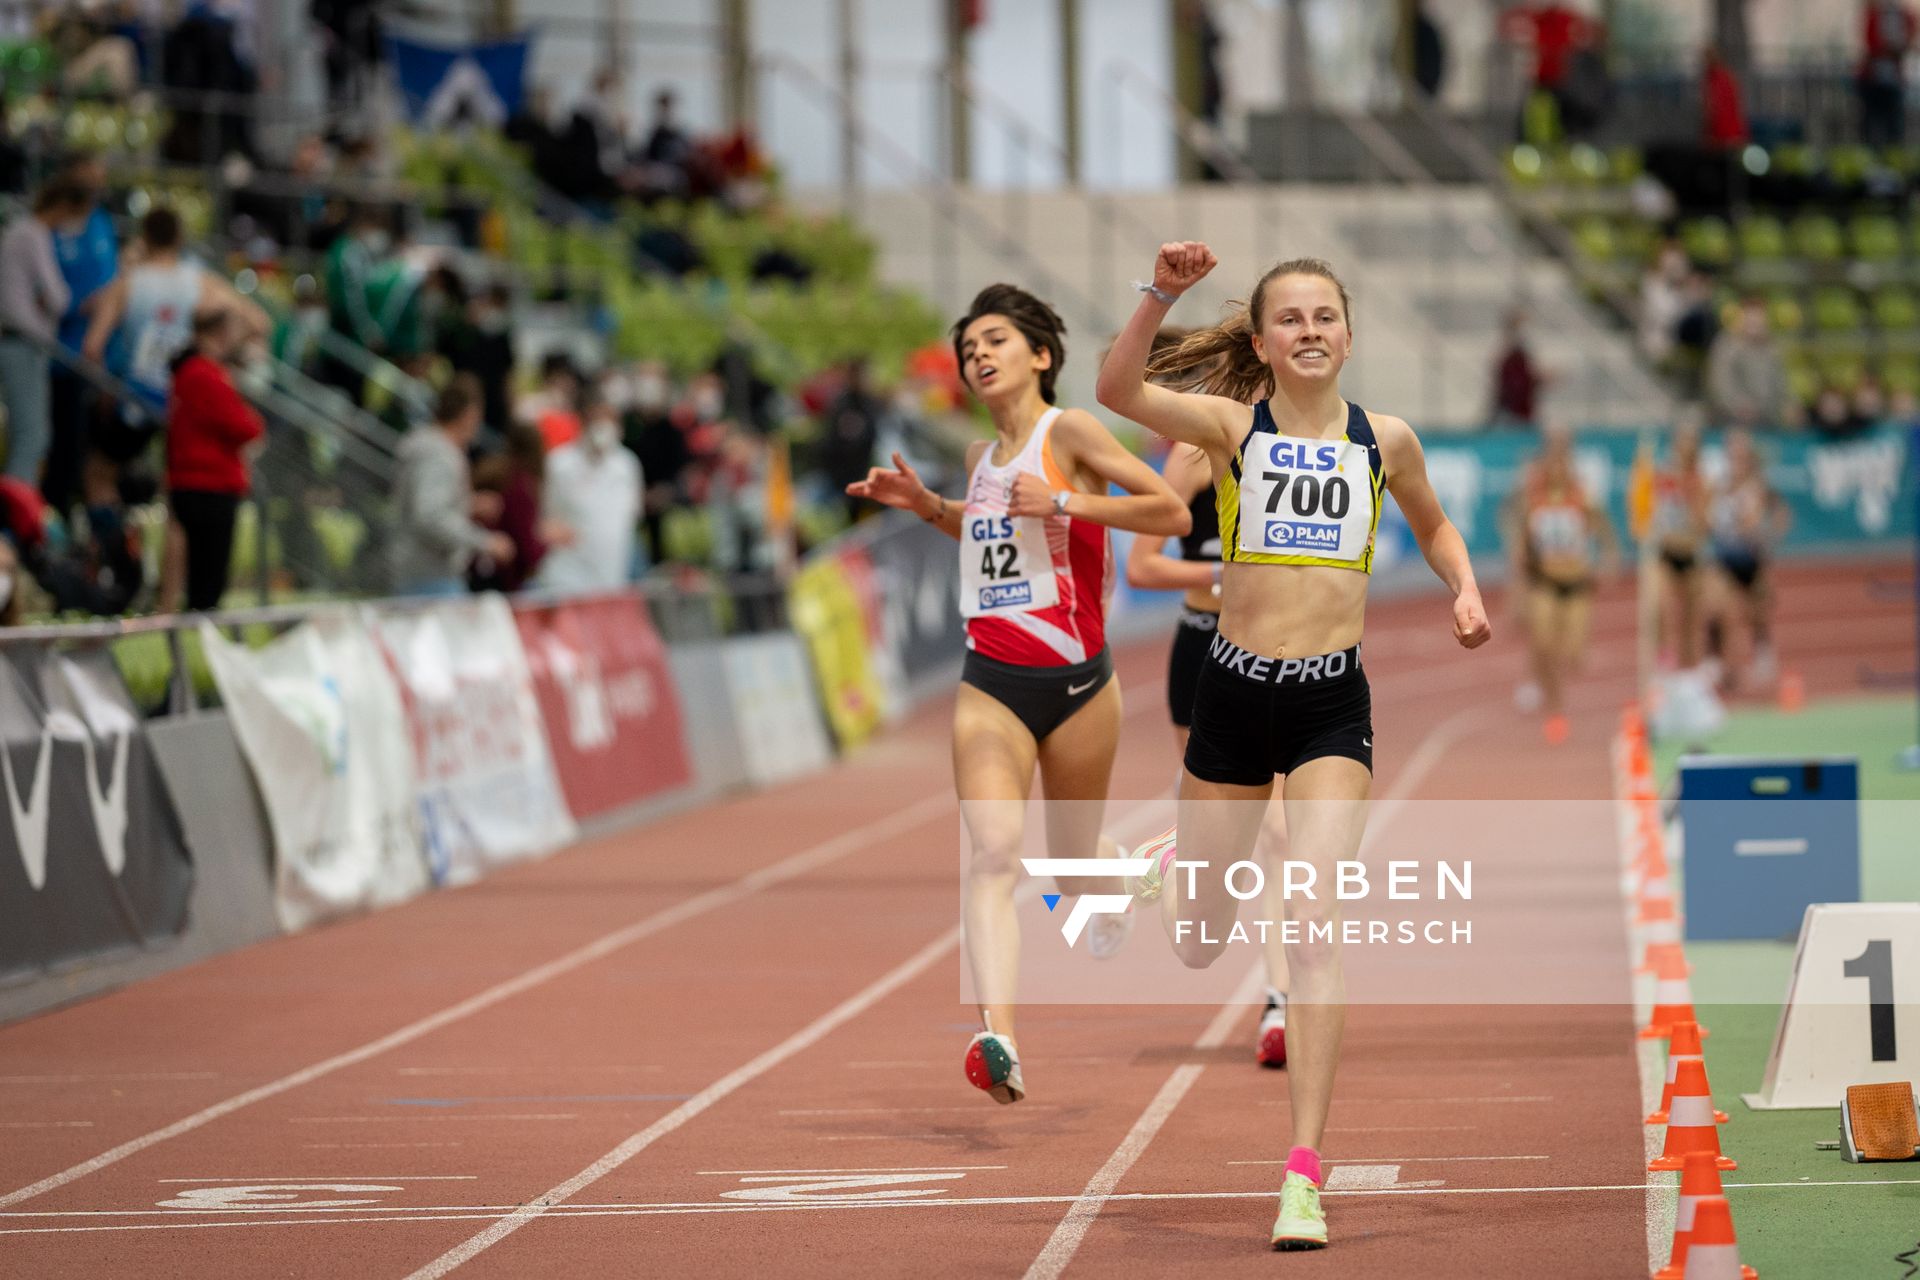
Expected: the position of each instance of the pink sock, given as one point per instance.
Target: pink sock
(1304, 1161)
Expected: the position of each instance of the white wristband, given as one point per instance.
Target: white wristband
(1157, 294)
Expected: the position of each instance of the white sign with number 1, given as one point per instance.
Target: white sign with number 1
(1853, 1008)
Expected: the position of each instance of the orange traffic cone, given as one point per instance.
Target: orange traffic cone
(1712, 1252)
(1685, 1046)
(1656, 921)
(1665, 960)
(1793, 691)
(1690, 1125)
(1699, 1180)
(1672, 1005)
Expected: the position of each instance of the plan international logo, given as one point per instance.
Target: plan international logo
(1309, 535)
(1006, 595)
(1087, 905)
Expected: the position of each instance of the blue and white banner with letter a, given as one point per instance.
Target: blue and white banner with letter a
(444, 84)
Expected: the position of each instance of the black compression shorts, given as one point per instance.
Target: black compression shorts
(1255, 717)
(1042, 697)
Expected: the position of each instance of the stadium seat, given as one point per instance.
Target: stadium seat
(1842, 369)
(1894, 309)
(1762, 239)
(1803, 377)
(1850, 166)
(1875, 238)
(1595, 239)
(1836, 309)
(1784, 314)
(1901, 373)
(1707, 241)
(1817, 238)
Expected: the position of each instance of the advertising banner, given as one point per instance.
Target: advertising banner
(321, 722)
(836, 611)
(92, 858)
(486, 785)
(774, 711)
(607, 697)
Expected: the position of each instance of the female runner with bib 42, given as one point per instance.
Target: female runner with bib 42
(1036, 569)
(1299, 473)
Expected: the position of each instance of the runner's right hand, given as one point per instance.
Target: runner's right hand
(897, 486)
(1181, 265)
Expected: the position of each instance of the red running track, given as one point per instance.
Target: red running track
(730, 1043)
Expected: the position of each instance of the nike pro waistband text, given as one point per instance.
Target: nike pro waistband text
(1322, 666)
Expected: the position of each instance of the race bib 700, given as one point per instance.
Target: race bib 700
(1305, 498)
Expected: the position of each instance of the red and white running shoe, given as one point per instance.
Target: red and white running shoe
(993, 1066)
(1271, 1051)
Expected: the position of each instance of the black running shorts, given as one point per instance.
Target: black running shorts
(1255, 717)
(1043, 697)
(1190, 641)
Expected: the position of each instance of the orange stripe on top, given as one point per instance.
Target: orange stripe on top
(1055, 476)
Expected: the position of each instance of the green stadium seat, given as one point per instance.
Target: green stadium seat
(1901, 373)
(1875, 238)
(1849, 166)
(1626, 163)
(1525, 166)
(1634, 238)
(1784, 314)
(1587, 164)
(1762, 239)
(1842, 369)
(1837, 310)
(1895, 309)
(1594, 238)
(1797, 160)
(1817, 237)
(1803, 377)
(1707, 241)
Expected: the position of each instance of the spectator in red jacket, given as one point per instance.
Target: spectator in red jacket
(1724, 114)
(211, 433)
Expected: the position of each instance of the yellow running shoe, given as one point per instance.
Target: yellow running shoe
(1160, 852)
(1301, 1224)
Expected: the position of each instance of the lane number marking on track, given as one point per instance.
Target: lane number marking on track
(280, 1195)
(850, 1187)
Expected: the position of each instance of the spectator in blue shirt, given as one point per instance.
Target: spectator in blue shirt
(89, 259)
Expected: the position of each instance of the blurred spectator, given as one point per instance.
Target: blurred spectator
(1663, 301)
(1723, 112)
(1429, 51)
(668, 147)
(737, 503)
(352, 263)
(99, 573)
(1567, 66)
(1882, 80)
(519, 477)
(33, 298)
(435, 537)
(479, 342)
(89, 259)
(1834, 416)
(1698, 326)
(210, 434)
(660, 445)
(201, 60)
(849, 428)
(1746, 374)
(554, 407)
(1517, 380)
(350, 46)
(593, 490)
(152, 306)
(1870, 401)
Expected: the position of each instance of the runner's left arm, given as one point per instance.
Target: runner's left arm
(1440, 542)
(1084, 449)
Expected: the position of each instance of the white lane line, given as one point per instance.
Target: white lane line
(1408, 1102)
(128, 1075)
(805, 1038)
(900, 1168)
(819, 855)
(46, 1124)
(1399, 1159)
(283, 1180)
(1025, 1110)
(481, 1213)
(1411, 1128)
(1072, 1229)
(809, 1035)
(409, 1117)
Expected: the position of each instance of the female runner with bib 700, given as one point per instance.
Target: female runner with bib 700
(1036, 569)
(1300, 475)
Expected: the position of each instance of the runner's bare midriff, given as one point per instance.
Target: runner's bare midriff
(1292, 610)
